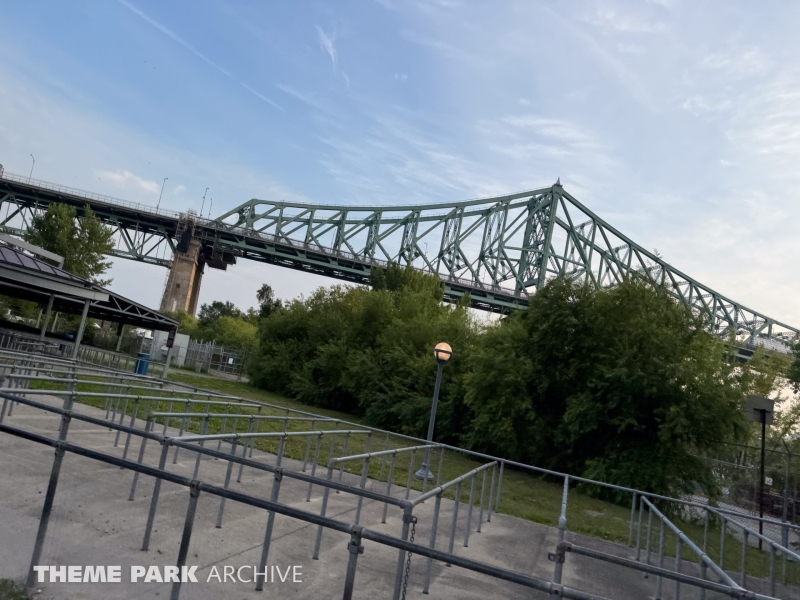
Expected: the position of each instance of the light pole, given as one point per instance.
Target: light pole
(33, 165)
(204, 202)
(210, 204)
(442, 352)
(161, 194)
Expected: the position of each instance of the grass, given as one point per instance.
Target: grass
(11, 591)
(524, 494)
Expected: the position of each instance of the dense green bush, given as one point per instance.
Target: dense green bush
(370, 352)
(622, 385)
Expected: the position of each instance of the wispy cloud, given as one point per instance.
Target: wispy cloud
(327, 44)
(178, 39)
(129, 182)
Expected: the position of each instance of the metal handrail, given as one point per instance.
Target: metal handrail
(46, 185)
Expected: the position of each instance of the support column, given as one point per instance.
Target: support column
(120, 329)
(183, 283)
(82, 326)
(46, 317)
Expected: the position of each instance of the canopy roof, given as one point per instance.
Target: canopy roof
(28, 278)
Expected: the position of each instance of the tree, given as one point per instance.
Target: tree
(215, 310)
(794, 369)
(267, 301)
(370, 352)
(621, 385)
(83, 241)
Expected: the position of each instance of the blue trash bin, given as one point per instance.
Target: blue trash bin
(142, 363)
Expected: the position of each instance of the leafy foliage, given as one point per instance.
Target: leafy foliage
(622, 385)
(267, 302)
(794, 370)
(369, 352)
(82, 241)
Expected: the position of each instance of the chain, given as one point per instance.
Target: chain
(408, 560)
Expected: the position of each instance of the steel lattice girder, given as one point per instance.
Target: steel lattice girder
(498, 250)
(136, 236)
(501, 249)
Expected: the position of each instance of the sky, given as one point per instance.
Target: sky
(676, 122)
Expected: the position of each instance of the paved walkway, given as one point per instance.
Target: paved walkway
(93, 523)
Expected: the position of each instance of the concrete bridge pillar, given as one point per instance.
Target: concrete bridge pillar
(183, 283)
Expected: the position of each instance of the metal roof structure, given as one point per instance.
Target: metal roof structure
(28, 278)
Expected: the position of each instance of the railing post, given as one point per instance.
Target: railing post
(183, 552)
(639, 531)
(49, 498)
(262, 563)
(308, 446)
(630, 524)
(151, 515)
(408, 519)
(491, 495)
(147, 428)
(410, 473)
(364, 473)
(203, 431)
(454, 521)
(562, 529)
(389, 482)
(354, 548)
(469, 510)
(480, 511)
(662, 541)
(324, 508)
(432, 544)
(314, 465)
(234, 444)
(743, 581)
(677, 593)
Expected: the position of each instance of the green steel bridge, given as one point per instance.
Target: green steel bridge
(497, 250)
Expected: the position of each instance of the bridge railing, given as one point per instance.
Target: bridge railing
(83, 194)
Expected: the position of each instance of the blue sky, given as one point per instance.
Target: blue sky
(678, 122)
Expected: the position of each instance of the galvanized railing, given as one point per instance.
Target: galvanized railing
(115, 406)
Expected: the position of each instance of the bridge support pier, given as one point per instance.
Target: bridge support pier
(183, 283)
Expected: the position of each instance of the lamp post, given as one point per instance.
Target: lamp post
(442, 352)
(33, 165)
(161, 194)
(204, 202)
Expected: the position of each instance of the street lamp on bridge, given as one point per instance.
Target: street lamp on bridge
(161, 194)
(442, 352)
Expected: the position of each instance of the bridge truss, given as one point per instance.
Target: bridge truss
(498, 250)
